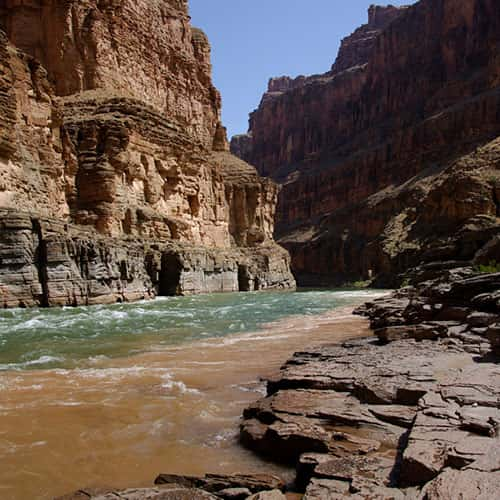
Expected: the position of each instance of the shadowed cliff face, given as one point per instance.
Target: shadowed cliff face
(358, 149)
(113, 159)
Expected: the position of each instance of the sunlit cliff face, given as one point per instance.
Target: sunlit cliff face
(117, 158)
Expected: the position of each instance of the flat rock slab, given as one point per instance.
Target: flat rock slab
(452, 484)
(375, 468)
(323, 489)
(292, 422)
(359, 489)
(170, 492)
(395, 414)
(215, 483)
(417, 332)
(209, 487)
(398, 373)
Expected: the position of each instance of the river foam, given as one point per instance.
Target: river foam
(76, 337)
(133, 405)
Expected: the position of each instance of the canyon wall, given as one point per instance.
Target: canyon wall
(116, 183)
(145, 50)
(390, 158)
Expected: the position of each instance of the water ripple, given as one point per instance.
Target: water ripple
(71, 337)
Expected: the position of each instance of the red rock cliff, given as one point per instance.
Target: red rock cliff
(411, 92)
(115, 179)
(145, 50)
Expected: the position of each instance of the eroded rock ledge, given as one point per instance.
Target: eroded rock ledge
(116, 182)
(208, 487)
(413, 412)
(45, 262)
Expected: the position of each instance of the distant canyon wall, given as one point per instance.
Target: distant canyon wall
(390, 158)
(116, 180)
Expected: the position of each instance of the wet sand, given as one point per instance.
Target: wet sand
(123, 421)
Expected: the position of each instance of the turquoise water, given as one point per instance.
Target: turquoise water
(77, 337)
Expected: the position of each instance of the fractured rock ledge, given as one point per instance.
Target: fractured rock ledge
(211, 486)
(44, 262)
(413, 412)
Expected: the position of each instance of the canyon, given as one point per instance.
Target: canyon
(118, 184)
(116, 179)
(391, 158)
(390, 172)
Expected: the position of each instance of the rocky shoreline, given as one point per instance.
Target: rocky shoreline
(209, 487)
(411, 413)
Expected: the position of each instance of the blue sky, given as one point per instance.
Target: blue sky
(253, 40)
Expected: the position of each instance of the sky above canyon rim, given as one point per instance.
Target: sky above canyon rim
(253, 41)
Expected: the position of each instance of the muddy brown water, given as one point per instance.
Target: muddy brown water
(122, 422)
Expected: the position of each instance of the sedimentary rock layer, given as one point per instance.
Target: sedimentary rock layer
(401, 132)
(209, 487)
(116, 182)
(45, 262)
(146, 50)
(413, 414)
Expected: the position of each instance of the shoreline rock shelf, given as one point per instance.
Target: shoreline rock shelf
(208, 487)
(412, 413)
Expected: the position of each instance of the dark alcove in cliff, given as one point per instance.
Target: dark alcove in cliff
(170, 275)
(243, 279)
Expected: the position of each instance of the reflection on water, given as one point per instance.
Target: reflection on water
(126, 401)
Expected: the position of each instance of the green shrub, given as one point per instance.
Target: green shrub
(405, 282)
(361, 284)
(492, 267)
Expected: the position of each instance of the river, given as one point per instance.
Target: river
(114, 395)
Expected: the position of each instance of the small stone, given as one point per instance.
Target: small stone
(234, 493)
(268, 495)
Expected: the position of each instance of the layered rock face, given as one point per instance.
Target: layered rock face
(357, 48)
(291, 124)
(116, 183)
(143, 50)
(208, 487)
(392, 154)
(413, 414)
